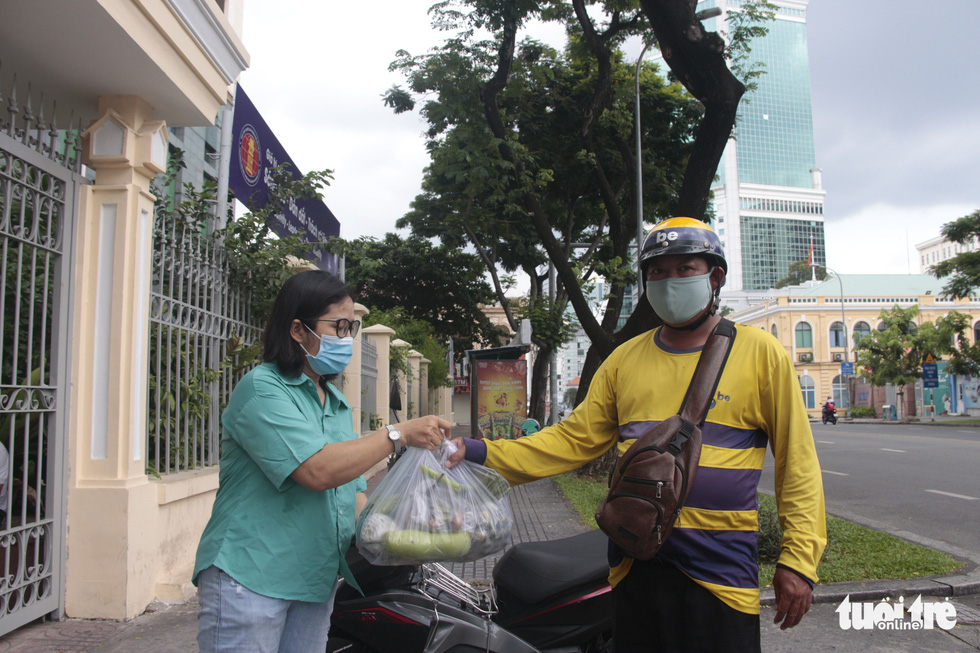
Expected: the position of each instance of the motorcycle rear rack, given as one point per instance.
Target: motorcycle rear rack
(436, 577)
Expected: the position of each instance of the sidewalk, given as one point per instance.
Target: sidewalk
(542, 513)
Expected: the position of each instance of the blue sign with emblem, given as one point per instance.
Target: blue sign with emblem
(847, 369)
(256, 152)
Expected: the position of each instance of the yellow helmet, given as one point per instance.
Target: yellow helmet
(683, 236)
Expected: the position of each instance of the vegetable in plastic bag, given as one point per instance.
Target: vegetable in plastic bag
(424, 512)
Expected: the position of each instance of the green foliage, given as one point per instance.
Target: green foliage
(539, 146)
(861, 412)
(550, 326)
(438, 284)
(853, 551)
(963, 269)
(585, 495)
(420, 335)
(260, 260)
(184, 377)
(895, 354)
(744, 27)
(801, 272)
(770, 532)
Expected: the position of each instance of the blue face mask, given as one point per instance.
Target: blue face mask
(333, 356)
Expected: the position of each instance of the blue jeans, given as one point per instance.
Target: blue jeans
(234, 619)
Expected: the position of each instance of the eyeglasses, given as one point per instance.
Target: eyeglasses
(344, 326)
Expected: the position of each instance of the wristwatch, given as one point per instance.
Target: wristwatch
(396, 438)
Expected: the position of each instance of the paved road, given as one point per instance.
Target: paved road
(917, 481)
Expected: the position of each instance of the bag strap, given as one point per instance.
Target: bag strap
(707, 374)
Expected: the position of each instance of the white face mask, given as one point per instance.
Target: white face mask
(677, 300)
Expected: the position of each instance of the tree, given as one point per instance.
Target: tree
(532, 150)
(801, 272)
(964, 268)
(947, 337)
(440, 285)
(700, 60)
(894, 354)
(421, 336)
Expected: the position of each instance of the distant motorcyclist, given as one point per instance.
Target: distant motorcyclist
(829, 410)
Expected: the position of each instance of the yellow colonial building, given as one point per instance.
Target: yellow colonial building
(819, 322)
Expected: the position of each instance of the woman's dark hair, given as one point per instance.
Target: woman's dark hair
(305, 297)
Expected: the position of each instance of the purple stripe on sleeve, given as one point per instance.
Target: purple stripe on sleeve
(725, 489)
(727, 558)
(476, 451)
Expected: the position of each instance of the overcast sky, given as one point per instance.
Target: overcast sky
(895, 94)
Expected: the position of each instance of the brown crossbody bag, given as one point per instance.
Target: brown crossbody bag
(651, 481)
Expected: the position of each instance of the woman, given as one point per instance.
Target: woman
(290, 481)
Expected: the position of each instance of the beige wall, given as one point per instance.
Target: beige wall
(788, 312)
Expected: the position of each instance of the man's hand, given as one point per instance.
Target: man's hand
(793, 598)
(458, 454)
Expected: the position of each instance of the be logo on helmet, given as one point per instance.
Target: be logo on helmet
(665, 236)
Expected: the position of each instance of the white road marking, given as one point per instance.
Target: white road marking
(955, 496)
(895, 450)
(826, 442)
(827, 471)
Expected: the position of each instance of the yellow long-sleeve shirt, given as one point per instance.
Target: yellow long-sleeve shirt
(758, 402)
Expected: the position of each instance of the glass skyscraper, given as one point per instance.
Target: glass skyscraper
(769, 199)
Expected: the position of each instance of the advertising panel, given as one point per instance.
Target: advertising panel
(255, 151)
(502, 387)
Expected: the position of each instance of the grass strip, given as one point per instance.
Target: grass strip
(853, 552)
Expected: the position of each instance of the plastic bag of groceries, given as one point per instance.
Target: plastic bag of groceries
(424, 512)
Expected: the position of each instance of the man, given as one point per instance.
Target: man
(828, 409)
(700, 593)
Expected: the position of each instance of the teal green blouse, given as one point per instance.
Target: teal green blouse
(269, 533)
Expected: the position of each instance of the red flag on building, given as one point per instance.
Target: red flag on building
(809, 258)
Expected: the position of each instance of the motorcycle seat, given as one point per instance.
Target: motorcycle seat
(534, 571)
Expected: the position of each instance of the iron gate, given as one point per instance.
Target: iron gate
(38, 191)
(369, 385)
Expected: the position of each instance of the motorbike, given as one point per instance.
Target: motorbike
(830, 415)
(545, 597)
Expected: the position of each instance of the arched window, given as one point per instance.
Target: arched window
(837, 337)
(809, 392)
(976, 332)
(775, 332)
(882, 326)
(862, 329)
(804, 336)
(841, 399)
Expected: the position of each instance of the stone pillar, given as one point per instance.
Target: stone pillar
(108, 572)
(414, 408)
(425, 408)
(402, 380)
(380, 336)
(352, 373)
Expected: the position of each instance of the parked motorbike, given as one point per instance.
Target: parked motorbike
(546, 597)
(830, 416)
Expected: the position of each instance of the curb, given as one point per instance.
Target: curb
(876, 590)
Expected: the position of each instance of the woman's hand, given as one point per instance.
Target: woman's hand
(424, 432)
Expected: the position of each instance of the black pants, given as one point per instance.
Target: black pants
(658, 609)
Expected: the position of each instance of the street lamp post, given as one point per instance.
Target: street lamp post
(639, 177)
(843, 323)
